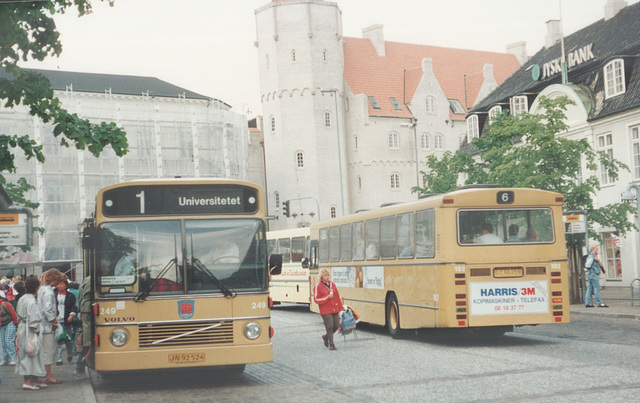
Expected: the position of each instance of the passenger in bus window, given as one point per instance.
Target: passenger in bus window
(532, 235)
(487, 236)
(326, 295)
(372, 251)
(513, 233)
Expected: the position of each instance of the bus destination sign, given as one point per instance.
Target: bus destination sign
(154, 200)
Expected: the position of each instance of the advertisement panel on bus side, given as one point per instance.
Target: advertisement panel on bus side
(512, 297)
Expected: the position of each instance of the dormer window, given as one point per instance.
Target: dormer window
(614, 78)
(456, 107)
(519, 105)
(494, 112)
(395, 104)
(374, 103)
(472, 127)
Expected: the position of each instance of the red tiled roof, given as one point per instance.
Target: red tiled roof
(382, 76)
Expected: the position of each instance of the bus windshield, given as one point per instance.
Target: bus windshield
(152, 257)
(505, 226)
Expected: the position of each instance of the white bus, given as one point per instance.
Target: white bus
(292, 285)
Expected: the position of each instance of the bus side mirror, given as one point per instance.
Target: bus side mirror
(275, 264)
(90, 236)
(305, 263)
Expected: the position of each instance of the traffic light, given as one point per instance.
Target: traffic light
(285, 209)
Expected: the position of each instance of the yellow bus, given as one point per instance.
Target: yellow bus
(481, 257)
(179, 275)
(292, 284)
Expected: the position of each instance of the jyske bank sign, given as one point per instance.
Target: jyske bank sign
(553, 67)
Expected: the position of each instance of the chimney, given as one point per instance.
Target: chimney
(488, 83)
(612, 7)
(519, 50)
(376, 36)
(427, 66)
(554, 33)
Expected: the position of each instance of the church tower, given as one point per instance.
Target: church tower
(301, 66)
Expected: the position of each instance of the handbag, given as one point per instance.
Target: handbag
(63, 337)
(32, 343)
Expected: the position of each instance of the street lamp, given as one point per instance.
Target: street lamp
(629, 197)
(335, 98)
(412, 125)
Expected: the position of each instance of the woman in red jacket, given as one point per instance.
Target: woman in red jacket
(326, 295)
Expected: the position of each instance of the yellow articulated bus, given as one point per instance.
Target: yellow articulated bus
(480, 257)
(179, 275)
(292, 284)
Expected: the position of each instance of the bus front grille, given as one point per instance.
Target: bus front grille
(181, 334)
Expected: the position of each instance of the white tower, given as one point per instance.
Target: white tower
(301, 64)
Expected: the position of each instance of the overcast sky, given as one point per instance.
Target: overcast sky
(206, 46)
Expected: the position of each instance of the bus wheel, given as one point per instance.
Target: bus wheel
(393, 316)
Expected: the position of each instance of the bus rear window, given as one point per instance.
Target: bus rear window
(505, 226)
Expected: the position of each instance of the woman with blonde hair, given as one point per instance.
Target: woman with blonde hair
(326, 295)
(47, 302)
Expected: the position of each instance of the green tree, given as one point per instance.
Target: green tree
(526, 151)
(28, 31)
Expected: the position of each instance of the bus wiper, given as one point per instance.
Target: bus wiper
(142, 295)
(195, 262)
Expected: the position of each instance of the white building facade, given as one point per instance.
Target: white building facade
(348, 122)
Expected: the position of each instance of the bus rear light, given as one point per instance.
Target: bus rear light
(461, 323)
(96, 309)
(556, 280)
(459, 275)
(556, 274)
(461, 309)
(461, 282)
(557, 300)
(461, 303)
(556, 293)
(270, 302)
(96, 340)
(271, 332)
(461, 296)
(558, 313)
(461, 316)
(559, 199)
(558, 319)
(447, 200)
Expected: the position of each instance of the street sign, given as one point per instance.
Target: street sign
(574, 224)
(13, 229)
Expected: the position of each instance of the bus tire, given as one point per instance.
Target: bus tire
(235, 369)
(393, 316)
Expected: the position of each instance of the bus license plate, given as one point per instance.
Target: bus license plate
(508, 272)
(186, 358)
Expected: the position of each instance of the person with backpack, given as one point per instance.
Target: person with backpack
(8, 323)
(326, 295)
(593, 267)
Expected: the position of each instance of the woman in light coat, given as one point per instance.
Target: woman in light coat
(48, 304)
(29, 317)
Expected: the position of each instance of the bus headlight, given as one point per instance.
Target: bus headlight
(119, 337)
(252, 331)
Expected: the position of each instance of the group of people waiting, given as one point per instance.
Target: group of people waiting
(41, 315)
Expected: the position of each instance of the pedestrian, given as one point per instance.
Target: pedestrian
(20, 291)
(84, 304)
(326, 295)
(67, 311)
(29, 321)
(593, 267)
(8, 323)
(47, 303)
(75, 325)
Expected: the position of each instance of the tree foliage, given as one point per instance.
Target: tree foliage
(525, 150)
(28, 31)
